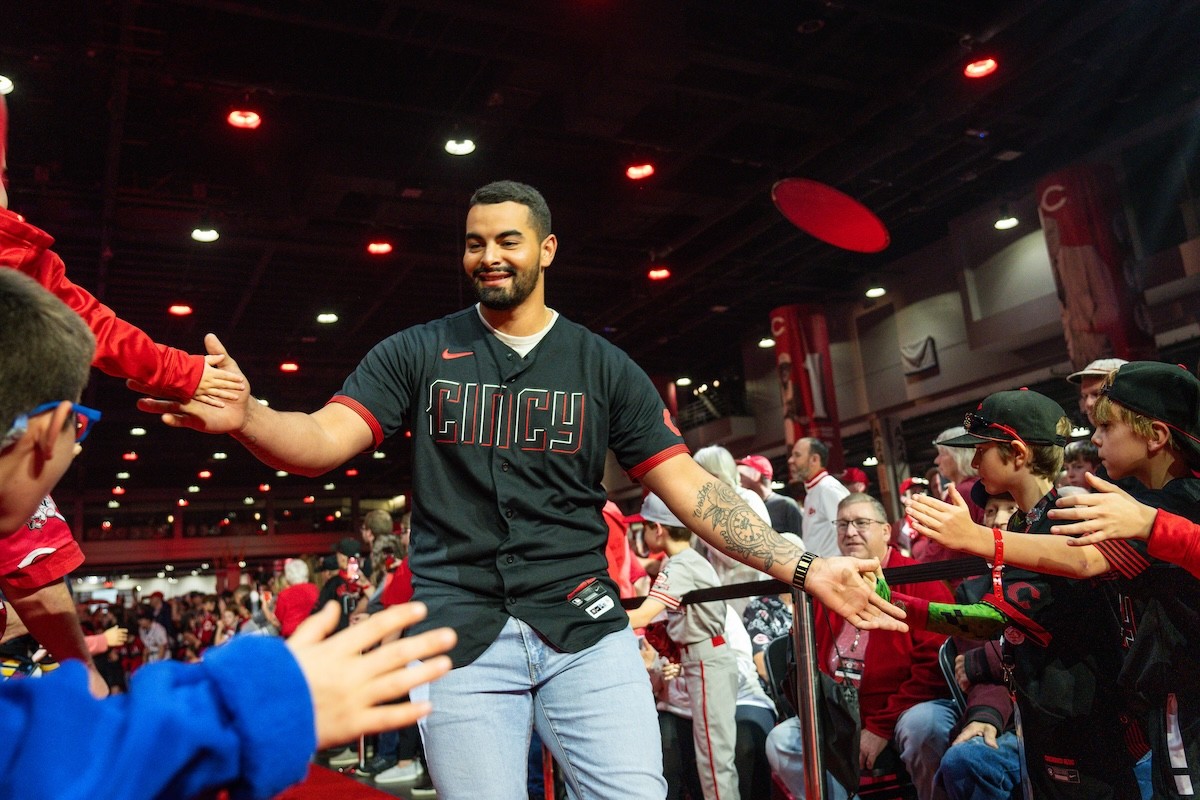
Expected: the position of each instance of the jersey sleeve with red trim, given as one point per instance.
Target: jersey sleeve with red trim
(381, 386)
(642, 434)
(1128, 557)
(40, 552)
(670, 591)
(122, 349)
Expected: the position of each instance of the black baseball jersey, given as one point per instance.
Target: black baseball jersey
(1162, 666)
(1067, 656)
(508, 455)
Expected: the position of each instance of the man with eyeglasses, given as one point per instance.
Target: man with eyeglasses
(894, 673)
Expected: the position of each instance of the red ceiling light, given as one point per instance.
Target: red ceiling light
(351, 473)
(289, 366)
(379, 248)
(658, 273)
(310, 499)
(637, 172)
(181, 502)
(179, 309)
(264, 487)
(130, 456)
(118, 490)
(981, 67)
(204, 473)
(244, 118)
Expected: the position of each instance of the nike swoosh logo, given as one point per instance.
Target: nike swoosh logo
(447, 355)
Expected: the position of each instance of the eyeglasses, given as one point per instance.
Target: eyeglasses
(85, 418)
(862, 524)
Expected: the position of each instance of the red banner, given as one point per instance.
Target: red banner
(806, 378)
(1084, 226)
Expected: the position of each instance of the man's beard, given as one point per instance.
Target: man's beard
(507, 298)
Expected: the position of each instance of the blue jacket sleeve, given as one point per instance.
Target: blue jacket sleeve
(241, 719)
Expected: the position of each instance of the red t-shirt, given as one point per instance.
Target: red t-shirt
(40, 552)
(294, 605)
(399, 586)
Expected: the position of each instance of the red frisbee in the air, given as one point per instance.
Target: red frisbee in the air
(830, 215)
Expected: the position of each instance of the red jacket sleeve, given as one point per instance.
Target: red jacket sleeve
(122, 350)
(1175, 539)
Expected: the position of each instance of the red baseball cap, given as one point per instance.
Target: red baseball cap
(759, 464)
(855, 475)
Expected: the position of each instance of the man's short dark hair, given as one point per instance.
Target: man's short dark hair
(46, 348)
(514, 192)
(819, 448)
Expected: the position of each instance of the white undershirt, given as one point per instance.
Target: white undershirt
(521, 344)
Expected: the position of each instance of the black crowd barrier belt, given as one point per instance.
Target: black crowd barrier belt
(913, 573)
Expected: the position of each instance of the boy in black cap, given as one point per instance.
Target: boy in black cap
(1063, 673)
(349, 587)
(1147, 428)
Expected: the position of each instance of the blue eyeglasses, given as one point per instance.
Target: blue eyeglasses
(85, 418)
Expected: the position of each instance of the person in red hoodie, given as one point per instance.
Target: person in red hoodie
(35, 558)
(892, 671)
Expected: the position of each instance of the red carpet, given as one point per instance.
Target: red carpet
(323, 783)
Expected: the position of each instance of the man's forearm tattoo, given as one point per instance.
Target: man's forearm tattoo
(740, 528)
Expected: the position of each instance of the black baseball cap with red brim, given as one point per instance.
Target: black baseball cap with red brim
(1014, 416)
(1164, 392)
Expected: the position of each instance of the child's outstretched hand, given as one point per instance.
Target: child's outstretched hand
(217, 385)
(1108, 513)
(353, 694)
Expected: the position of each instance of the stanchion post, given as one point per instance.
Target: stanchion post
(805, 647)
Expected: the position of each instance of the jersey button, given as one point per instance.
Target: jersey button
(509, 513)
(512, 601)
(504, 467)
(509, 559)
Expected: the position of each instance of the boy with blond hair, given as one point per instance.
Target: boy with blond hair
(1148, 428)
(1062, 672)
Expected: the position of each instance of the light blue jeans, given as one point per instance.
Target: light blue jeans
(593, 709)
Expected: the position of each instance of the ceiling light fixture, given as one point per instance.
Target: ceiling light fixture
(130, 456)
(683, 381)
(327, 318)
(980, 67)
(1006, 220)
(289, 366)
(181, 502)
(379, 248)
(179, 309)
(766, 343)
(204, 474)
(658, 273)
(244, 118)
(122, 476)
(637, 172)
(205, 233)
(352, 473)
(118, 490)
(220, 456)
(6, 85)
(279, 473)
(460, 147)
(137, 431)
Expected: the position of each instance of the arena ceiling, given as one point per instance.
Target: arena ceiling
(119, 148)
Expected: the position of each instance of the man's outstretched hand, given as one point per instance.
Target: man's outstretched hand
(847, 586)
(200, 415)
